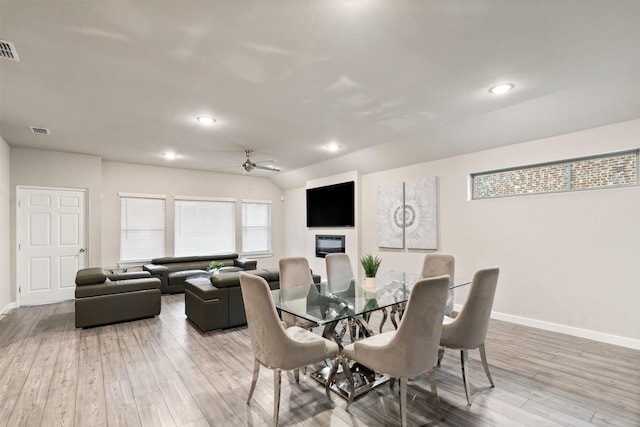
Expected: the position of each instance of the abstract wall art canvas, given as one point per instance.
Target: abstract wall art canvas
(421, 213)
(391, 215)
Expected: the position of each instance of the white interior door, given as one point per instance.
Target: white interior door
(51, 243)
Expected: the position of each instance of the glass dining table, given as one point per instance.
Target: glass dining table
(346, 306)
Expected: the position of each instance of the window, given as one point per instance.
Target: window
(204, 226)
(142, 227)
(256, 226)
(588, 173)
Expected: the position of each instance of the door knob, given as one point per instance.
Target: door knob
(82, 250)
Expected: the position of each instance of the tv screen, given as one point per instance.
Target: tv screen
(331, 206)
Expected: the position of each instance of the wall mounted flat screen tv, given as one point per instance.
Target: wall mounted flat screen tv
(331, 206)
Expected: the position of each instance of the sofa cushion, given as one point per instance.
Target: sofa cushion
(90, 276)
(175, 259)
(179, 277)
(229, 269)
(119, 287)
(129, 275)
(218, 257)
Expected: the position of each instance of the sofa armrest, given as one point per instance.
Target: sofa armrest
(245, 263)
(155, 269)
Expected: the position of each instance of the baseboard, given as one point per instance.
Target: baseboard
(8, 308)
(564, 329)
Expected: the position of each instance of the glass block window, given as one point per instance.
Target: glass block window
(605, 171)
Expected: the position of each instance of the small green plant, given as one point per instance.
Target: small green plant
(216, 265)
(370, 265)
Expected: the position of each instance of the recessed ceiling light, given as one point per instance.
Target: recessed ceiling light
(170, 155)
(501, 88)
(206, 120)
(332, 147)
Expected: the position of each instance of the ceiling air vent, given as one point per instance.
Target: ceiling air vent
(8, 51)
(40, 131)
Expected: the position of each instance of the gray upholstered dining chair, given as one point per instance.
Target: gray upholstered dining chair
(339, 272)
(274, 346)
(413, 348)
(438, 265)
(295, 271)
(468, 330)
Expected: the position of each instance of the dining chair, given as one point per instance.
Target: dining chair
(434, 265)
(339, 272)
(468, 330)
(276, 347)
(438, 265)
(295, 271)
(411, 349)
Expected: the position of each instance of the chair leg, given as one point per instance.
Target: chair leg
(464, 358)
(434, 392)
(256, 370)
(440, 354)
(403, 400)
(276, 396)
(485, 365)
(296, 375)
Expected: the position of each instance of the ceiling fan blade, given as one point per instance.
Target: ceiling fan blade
(267, 168)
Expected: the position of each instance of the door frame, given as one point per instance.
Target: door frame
(19, 189)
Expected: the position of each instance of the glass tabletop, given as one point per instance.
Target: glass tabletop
(328, 302)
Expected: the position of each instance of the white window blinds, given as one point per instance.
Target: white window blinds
(142, 227)
(256, 227)
(204, 227)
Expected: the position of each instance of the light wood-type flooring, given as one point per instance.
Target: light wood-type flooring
(163, 372)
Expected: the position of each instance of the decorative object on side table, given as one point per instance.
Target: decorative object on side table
(370, 265)
(215, 266)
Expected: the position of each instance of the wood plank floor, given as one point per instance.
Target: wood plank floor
(163, 372)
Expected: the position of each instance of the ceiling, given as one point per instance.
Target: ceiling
(392, 82)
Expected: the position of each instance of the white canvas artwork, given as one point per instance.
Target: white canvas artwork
(391, 215)
(421, 213)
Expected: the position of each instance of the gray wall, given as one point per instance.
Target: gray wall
(5, 227)
(569, 261)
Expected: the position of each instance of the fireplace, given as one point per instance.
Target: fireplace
(328, 244)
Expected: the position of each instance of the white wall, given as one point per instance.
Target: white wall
(44, 168)
(569, 261)
(304, 243)
(5, 228)
(171, 182)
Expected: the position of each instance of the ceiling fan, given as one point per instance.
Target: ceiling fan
(248, 165)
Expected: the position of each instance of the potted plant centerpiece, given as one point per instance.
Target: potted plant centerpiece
(215, 266)
(370, 265)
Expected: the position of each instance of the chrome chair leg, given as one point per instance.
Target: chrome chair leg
(485, 365)
(403, 400)
(256, 370)
(440, 354)
(384, 318)
(296, 375)
(276, 396)
(464, 358)
(434, 392)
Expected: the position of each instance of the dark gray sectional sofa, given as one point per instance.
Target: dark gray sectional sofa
(215, 301)
(103, 298)
(173, 271)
